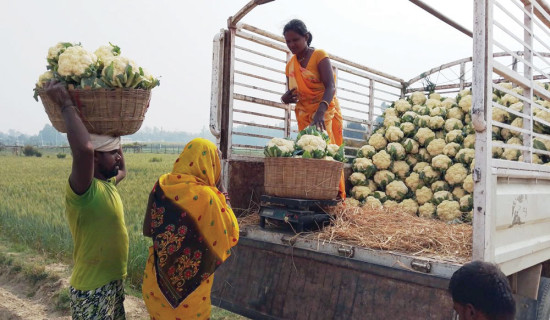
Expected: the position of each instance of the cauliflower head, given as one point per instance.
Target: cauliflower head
(358, 179)
(448, 210)
(451, 149)
(436, 122)
(427, 210)
(413, 181)
(396, 190)
(360, 192)
(465, 103)
(402, 106)
(383, 177)
(441, 162)
(468, 184)
(365, 166)
(454, 136)
(411, 146)
(366, 151)
(423, 195)
(435, 147)
(439, 186)
(433, 103)
(423, 155)
(378, 141)
(408, 129)
(409, 206)
(456, 174)
(396, 151)
(470, 141)
(448, 103)
(373, 203)
(394, 134)
(424, 136)
(420, 166)
(429, 175)
(418, 98)
(279, 147)
(77, 62)
(382, 160)
(400, 168)
(453, 124)
(465, 155)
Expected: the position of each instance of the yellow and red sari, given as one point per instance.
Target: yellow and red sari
(311, 89)
(193, 230)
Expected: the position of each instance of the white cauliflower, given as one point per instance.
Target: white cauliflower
(380, 195)
(365, 166)
(455, 113)
(435, 147)
(497, 152)
(373, 203)
(420, 166)
(423, 155)
(440, 186)
(408, 116)
(400, 168)
(518, 123)
(382, 159)
(418, 98)
(396, 190)
(409, 206)
(441, 162)
(413, 181)
(394, 134)
(314, 145)
(465, 103)
(402, 105)
(391, 121)
(77, 62)
(440, 196)
(358, 179)
(435, 95)
(448, 210)
(469, 141)
(116, 67)
(383, 177)
(438, 111)
(500, 115)
(429, 175)
(411, 146)
(465, 155)
(448, 103)
(366, 151)
(279, 147)
(423, 195)
(396, 151)
(433, 103)
(422, 121)
(535, 158)
(408, 129)
(466, 203)
(378, 141)
(360, 192)
(453, 124)
(390, 112)
(459, 192)
(427, 210)
(436, 122)
(440, 134)
(55, 51)
(45, 77)
(424, 136)
(105, 53)
(451, 149)
(456, 174)
(411, 159)
(468, 184)
(352, 202)
(508, 99)
(454, 136)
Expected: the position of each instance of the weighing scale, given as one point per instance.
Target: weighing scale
(301, 213)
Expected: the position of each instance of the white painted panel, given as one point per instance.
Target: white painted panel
(522, 211)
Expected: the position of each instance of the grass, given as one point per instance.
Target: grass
(32, 212)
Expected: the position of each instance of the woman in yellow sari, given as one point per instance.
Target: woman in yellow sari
(312, 87)
(193, 229)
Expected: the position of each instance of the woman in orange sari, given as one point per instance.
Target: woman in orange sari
(193, 229)
(312, 87)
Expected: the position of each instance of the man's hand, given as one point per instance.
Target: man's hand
(58, 93)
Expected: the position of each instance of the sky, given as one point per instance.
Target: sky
(173, 40)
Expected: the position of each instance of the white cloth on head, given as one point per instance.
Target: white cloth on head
(104, 143)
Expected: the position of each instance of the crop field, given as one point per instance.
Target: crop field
(32, 208)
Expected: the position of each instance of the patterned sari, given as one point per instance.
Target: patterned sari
(193, 230)
(311, 89)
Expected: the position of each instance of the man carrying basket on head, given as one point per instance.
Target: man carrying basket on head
(95, 215)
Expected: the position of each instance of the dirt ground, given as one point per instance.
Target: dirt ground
(20, 298)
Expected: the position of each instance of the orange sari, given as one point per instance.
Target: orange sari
(311, 89)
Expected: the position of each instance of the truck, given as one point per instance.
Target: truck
(276, 274)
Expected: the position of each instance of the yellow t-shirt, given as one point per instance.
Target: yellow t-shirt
(96, 220)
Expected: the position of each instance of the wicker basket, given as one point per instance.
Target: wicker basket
(302, 178)
(103, 111)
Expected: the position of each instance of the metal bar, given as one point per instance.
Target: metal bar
(442, 17)
(528, 73)
(216, 85)
(261, 32)
(353, 109)
(371, 107)
(257, 88)
(366, 75)
(352, 91)
(259, 65)
(243, 97)
(462, 75)
(258, 77)
(260, 54)
(267, 43)
(252, 124)
(258, 114)
(251, 135)
(247, 146)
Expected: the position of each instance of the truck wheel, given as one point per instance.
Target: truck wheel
(543, 301)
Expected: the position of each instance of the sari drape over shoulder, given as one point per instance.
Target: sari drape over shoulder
(193, 231)
(311, 89)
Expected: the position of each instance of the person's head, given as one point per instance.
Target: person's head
(199, 158)
(106, 156)
(481, 291)
(296, 36)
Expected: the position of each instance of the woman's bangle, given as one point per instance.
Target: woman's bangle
(325, 102)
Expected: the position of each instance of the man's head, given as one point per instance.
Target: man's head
(481, 291)
(107, 156)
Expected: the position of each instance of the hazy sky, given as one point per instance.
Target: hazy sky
(173, 40)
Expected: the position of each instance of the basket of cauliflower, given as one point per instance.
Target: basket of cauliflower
(112, 93)
(307, 168)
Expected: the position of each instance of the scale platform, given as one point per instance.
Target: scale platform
(301, 213)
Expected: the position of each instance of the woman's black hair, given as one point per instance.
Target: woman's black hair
(299, 27)
(485, 287)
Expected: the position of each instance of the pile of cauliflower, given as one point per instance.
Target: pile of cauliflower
(309, 144)
(105, 68)
(421, 159)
